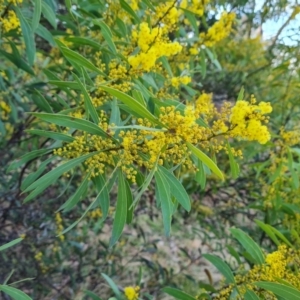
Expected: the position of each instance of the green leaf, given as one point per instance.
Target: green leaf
(268, 230)
(132, 104)
(17, 60)
(282, 237)
(250, 295)
(87, 101)
(234, 253)
(27, 157)
(203, 63)
(74, 199)
(241, 94)
(205, 159)
(72, 122)
(129, 203)
(88, 208)
(280, 290)
(139, 97)
(49, 14)
(65, 84)
(10, 244)
(130, 11)
(44, 33)
(49, 178)
(166, 65)
(122, 27)
(41, 102)
(28, 36)
(35, 175)
(36, 14)
(103, 195)
(121, 210)
(221, 266)
(107, 35)
(234, 167)
(145, 185)
(201, 175)
(83, 41)
(52, 135)
(295, 176)
(249, 245)
(178, 294)
(92, 295)
(113, 286)
(14, 293)
(192, 19)
(177, 190)
(163, 196)
(78, 59)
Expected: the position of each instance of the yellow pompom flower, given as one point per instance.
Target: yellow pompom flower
(131, 293)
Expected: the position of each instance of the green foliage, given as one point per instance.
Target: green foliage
(126, 167)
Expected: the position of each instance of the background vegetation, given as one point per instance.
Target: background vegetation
(135, 161)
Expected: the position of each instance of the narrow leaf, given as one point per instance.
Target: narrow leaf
(163, 197)
(121, 210)
(268, 230)
(87, 101)
(132, 104)
(49, 14)
(249, 245)
(280, 290)
(54, 174)
(77, 58)
(177, 190)
(178, 294)
(103, 195)
(205, 159)
(27, 157)
(221, 266)
(36, 14)
(14, 293)
(130, 11)
(72, 122)
(250, 295)
(52, 135)
(107, 35)
(74, 199)
(112, 285)
(28, 36)
(10, 244)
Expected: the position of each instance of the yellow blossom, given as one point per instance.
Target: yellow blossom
(131, 293)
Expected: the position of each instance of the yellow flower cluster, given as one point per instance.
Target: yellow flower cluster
(167, 14)
(39, 258)
(153, 43)
(132, 293)
(247, 119)
(220, 30)
(95, 214)
(118, 77)
(176, 81)
(195, 6)
(281, 264)
(145, 147)
(9, 19)
(290, 138)
(59, 226)
(4, 110)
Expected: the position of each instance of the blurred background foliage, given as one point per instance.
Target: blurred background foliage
(267, 188)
